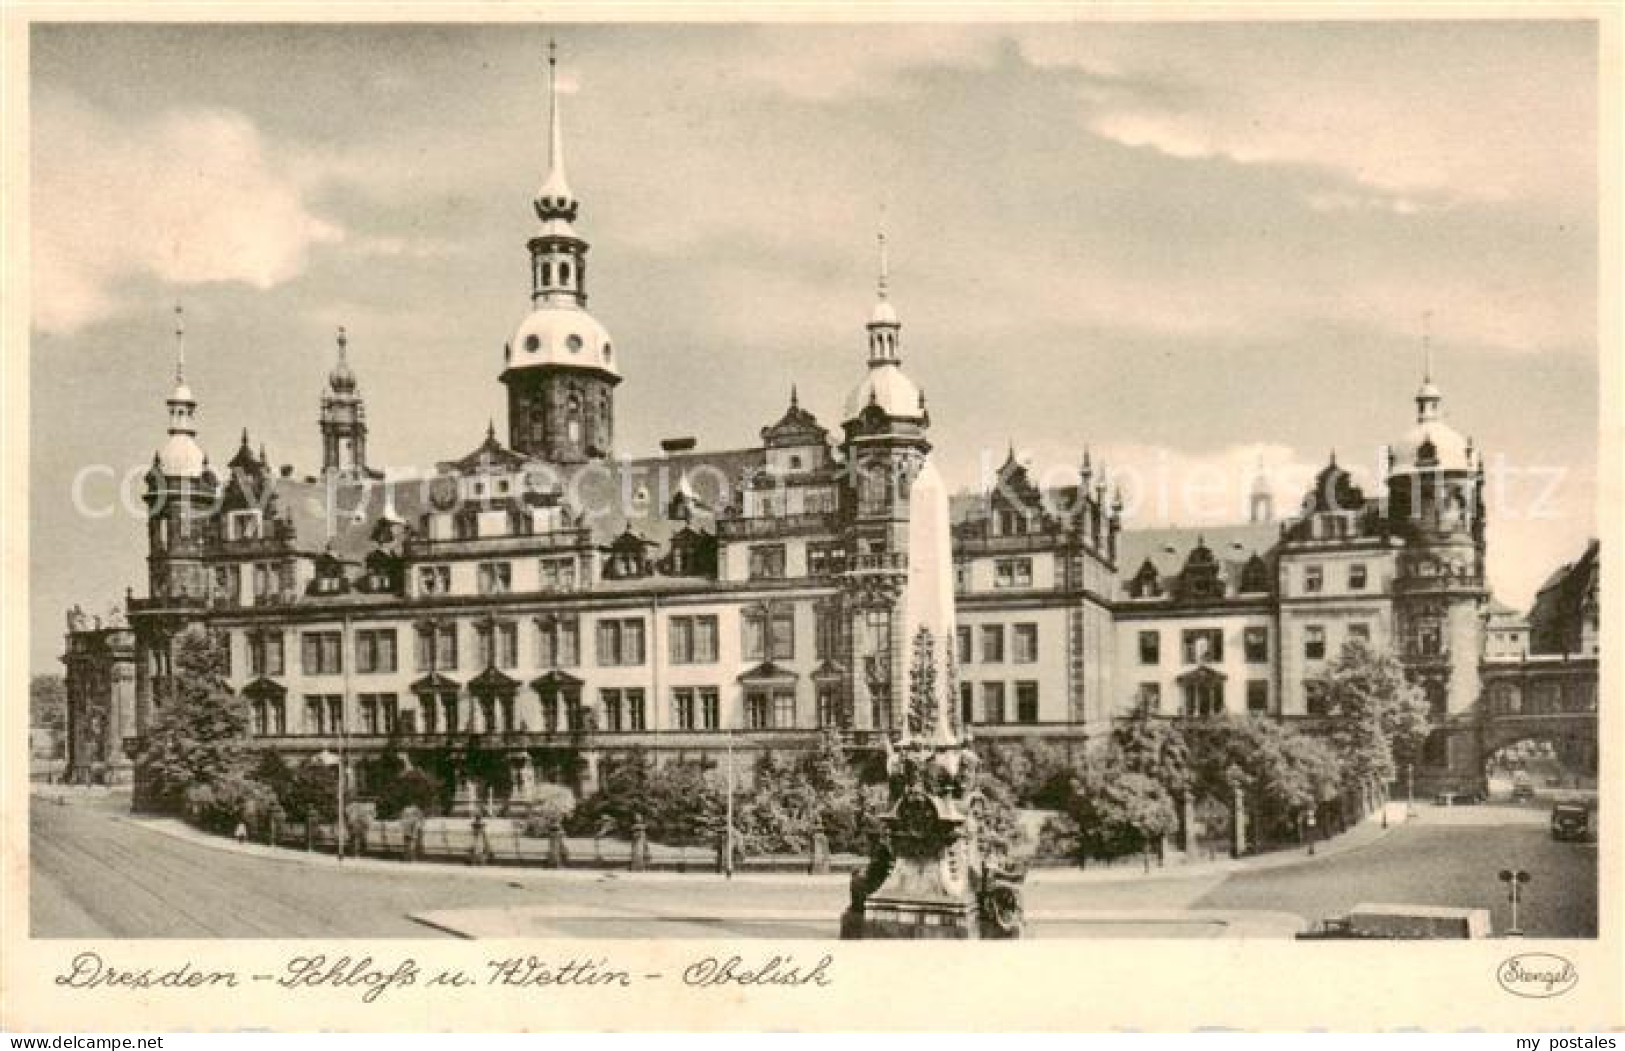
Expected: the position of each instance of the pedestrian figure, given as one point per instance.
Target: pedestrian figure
(241, 833)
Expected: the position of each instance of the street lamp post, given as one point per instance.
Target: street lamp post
(327, 758)
(1515, 880)
(728, 835)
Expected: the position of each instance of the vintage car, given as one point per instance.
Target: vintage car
(1574, 820)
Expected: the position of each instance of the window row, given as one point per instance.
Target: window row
(1314, 578)
(993, 709)
(619, 710)
(1023, 644)
(1206, 646)
(1204, 698)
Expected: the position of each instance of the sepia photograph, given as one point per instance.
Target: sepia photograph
(560, 482)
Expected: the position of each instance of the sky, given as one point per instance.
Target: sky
(1193, 248)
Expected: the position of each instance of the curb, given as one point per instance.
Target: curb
(1355, 839)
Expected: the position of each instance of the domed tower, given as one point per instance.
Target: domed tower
(1436, 507)
(560, 365)
(885, 425)
(344, 418)
(885, 445)
(180, 495)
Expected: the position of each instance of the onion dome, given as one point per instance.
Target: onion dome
(342, 379)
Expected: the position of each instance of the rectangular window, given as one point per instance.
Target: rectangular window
(613, 716)
(1203, 646)
(782, 628)
(829, 705)
(375, 650)
(1255, 644)
(1013, 573)
(369, 713)
(636, 711)
(961, 576)
(827, 633)
(1024, 643)
(710, 709)
(315, 714)
(265, 653)
(558, 642)
(825, 559)
(682, 708)
(434, 580)
(1204, 699)
(507, 645)
(993, 703)
(767, 562)
(1314, 578)
(1314, 642)
(557, 574)
(1357, 577)
(967, 703)
(966, 646)
(770, 635)
(992, 643)
(784, 709)
(1258, 696)
(322, 653)
(758, 710)
(1150, 647)
(1150, 697)
(693, 640)
(495, 578)
(1360, 631)
(1026, 702)
(620, 642)
(1314, 697)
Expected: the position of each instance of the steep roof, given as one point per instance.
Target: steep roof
(1169, 547)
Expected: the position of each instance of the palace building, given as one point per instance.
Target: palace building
(543, 597)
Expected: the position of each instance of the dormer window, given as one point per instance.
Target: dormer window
(243, 525)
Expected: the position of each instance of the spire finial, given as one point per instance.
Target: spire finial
(1427, 346)
(180, 344)
(795, 397)
(555, 152)
(343, 341)
(885, 268)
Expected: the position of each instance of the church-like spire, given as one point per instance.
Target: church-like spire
(1428, 396)
(182, 406)
(883, 323)
(555, 200)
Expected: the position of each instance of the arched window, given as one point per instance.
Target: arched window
(564, 273)
(547, 274)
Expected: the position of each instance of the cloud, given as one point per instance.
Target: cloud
(189, 197)
(1451, 112)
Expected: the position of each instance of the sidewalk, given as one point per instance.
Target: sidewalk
(1361, 836)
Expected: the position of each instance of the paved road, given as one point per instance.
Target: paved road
(96, 874)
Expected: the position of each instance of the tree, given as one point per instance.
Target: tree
(1374, 711)
(1118, 812)
(200, 737)
(1156, 748)
(1037, 773)
(834, 787)
(47, 702)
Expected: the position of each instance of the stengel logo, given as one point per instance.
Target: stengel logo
(1536, 975)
